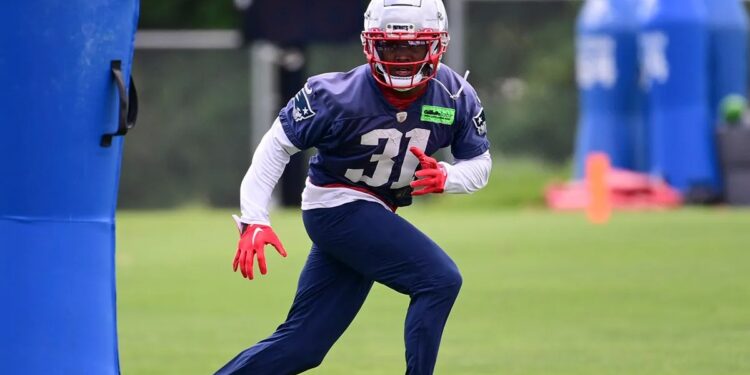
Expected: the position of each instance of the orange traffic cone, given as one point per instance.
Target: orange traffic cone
(599, 207)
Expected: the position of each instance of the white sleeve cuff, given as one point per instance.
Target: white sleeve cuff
(468, 176)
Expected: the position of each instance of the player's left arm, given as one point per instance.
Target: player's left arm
(468, 176)
(465, 176)
(470, 147)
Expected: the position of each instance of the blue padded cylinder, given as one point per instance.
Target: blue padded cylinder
(728, 26)
(58, 185)
(673, 44)
(607, 74)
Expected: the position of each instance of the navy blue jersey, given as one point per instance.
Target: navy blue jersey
(363, 141)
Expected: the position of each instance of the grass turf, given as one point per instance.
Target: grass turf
(658, 293)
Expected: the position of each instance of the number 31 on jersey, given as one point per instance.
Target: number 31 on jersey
(385, 163)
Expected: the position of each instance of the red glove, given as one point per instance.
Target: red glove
(431, 177)
(252, 243)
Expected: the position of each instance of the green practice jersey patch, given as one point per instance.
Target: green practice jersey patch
(438, 115)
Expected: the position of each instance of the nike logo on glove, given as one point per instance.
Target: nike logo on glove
(252, 245)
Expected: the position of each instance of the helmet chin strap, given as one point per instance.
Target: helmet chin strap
(402, 90)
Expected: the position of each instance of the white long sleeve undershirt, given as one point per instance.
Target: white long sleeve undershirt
(269, 160)
(273, 153)
(468, 176)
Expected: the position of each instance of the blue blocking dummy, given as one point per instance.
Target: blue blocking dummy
(673, 44)
(607, 75)
(728, 26)
(58, 181)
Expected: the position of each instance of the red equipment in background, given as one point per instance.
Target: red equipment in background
(627, 190)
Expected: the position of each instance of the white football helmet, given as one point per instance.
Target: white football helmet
(398, 24)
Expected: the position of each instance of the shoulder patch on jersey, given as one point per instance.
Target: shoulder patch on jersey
(480, 123)
(302, 108)
(438, 115)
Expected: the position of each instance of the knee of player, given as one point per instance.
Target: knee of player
(449, 281)
(455, 280)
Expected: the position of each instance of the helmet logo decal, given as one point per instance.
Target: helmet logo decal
(408, 3)
(399, 27)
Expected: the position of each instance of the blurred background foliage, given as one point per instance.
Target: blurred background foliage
(188, 14)
(192, 143)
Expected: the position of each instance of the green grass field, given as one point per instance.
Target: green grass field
(658, 293)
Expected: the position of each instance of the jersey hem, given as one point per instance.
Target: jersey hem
(314, 196)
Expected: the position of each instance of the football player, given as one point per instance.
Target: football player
(373, 128)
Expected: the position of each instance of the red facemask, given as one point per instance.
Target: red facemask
(403, 60)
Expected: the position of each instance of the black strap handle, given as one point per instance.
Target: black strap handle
(128, 104)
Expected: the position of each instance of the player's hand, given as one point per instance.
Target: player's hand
(252, 243)
(431, 178)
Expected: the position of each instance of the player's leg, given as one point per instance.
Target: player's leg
(385, 247)
(329, 295)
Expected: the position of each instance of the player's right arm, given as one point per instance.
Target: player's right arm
(470, 148)
(268, 163)
(301, 124)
